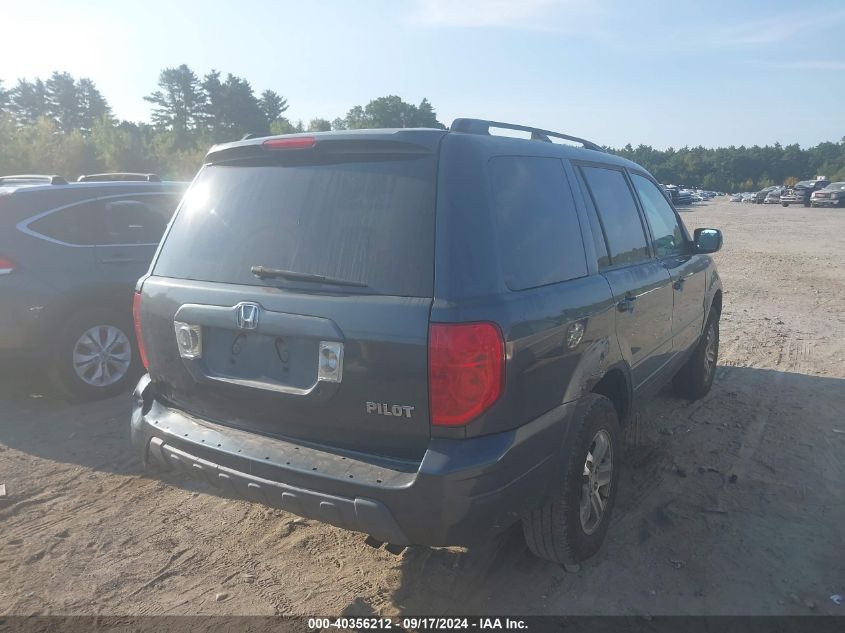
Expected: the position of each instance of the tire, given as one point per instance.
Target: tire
(784, 204)
(555, 531)
(695, 378)
(84, 335)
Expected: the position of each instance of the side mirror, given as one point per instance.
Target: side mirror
(707, 240)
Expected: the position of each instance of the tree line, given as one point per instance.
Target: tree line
(65, 125)
(741, 168)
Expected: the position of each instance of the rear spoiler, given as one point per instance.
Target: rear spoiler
(330, 143)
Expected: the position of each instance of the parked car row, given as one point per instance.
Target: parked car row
(816, 192)
(682, 197)
(70, 254)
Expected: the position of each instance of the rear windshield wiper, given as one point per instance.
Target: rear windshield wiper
(262, 272)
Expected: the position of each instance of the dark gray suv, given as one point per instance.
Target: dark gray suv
(70, 254)
(421, 335)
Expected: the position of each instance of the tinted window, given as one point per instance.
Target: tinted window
(602, 258)
(73, 225)
(370, 222)
(140, 220)
(619, 216)
(668, 237)
(539, 234)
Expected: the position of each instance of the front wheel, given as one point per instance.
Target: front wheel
(572, 525)
(784, 204)
(695, 378)
(95, 355)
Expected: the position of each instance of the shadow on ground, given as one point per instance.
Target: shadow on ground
(715, 495)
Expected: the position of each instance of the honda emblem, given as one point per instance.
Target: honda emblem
(248, 315)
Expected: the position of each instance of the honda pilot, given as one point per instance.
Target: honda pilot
(421, 335)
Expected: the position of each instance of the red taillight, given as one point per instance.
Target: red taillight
(6, 265)
(136, 316)
(466, 363)
(297, 142)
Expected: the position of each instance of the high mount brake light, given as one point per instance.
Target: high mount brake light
(297, 142)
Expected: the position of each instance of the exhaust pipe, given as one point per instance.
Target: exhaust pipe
(394, 549)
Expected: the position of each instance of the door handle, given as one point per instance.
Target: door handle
(679, 284)
(626, 305)
(119, 260)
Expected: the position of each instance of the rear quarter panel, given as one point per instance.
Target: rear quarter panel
(543, 371)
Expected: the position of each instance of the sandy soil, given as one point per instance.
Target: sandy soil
(731, 505)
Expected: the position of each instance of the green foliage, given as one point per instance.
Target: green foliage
(232, 110)
(272, 104)
(28, 101)
(179, 104)
(389, 112)
(319, 125)
(43, 148)
(283, 126)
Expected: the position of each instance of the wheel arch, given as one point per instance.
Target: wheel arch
(615, 385)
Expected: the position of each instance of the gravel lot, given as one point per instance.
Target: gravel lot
(731, 505)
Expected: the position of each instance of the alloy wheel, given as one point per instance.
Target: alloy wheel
(596, 482)
(102, 355)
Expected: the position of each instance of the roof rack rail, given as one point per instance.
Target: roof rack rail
(33, 178)
(480, 126)
(119, 176)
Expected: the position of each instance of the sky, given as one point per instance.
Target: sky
(674, 73)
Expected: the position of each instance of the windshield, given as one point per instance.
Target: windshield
(836, 186)
(365, 222)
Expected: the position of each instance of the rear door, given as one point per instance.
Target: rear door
(349, 231)
(641, 285)
(671, 245)
(130, 228)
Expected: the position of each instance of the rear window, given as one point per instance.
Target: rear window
(539, 234)
(369, 222)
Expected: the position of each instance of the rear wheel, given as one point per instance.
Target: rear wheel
(695, 378)
(784, 204)
(572, 525)
(95, 356)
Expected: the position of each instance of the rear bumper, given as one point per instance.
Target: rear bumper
(461, 490)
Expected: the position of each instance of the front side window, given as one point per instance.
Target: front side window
(618, 213)
(139, 220)
(667, 234)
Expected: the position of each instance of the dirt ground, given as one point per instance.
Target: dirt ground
(731, 505)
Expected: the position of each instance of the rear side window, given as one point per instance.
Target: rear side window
(602, 258)
(369, 221)
(538, 230)
(619, 216)
(72, 225)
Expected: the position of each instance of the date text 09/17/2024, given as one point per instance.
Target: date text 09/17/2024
(419, 624)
